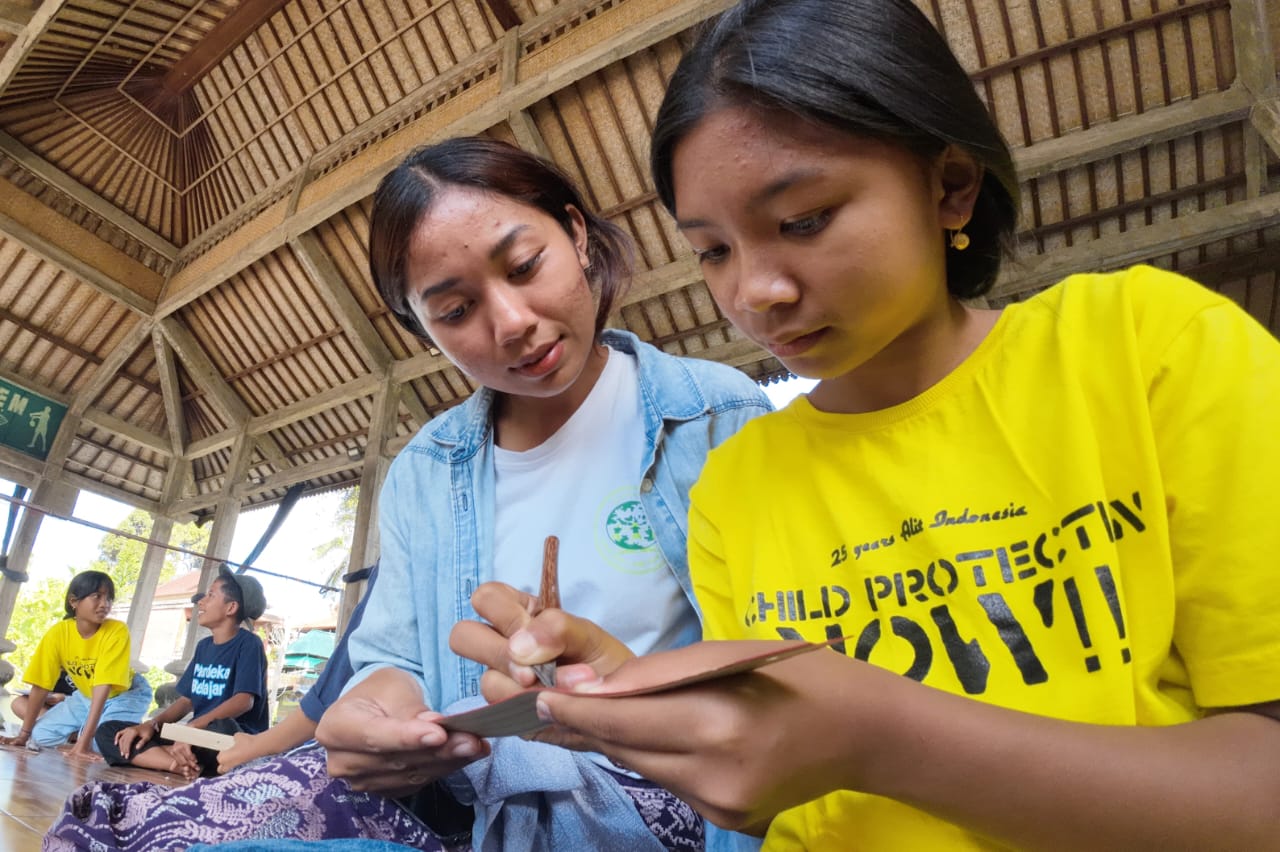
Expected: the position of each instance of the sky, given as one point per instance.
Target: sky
(291, 552)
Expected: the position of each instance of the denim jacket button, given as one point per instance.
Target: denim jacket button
(646, 485)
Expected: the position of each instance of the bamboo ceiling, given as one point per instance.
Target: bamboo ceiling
(184, 198)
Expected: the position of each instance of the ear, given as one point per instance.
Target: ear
(578, 233)
(960, 179)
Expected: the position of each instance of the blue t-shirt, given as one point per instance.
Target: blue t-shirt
(217, 672)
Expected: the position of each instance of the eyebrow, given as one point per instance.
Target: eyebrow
(766, 194)
(500, 248)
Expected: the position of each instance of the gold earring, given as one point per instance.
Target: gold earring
(959, 240)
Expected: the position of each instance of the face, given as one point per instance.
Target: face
(825, 249)
(500, 287)
(214, 605)
(93, 608)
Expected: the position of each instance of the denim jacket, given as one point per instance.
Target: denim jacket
(437, 511)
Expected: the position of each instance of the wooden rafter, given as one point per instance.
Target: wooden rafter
(34, 28)
(1117, 250)
(65, 244)
(217, 44)
(474, 110)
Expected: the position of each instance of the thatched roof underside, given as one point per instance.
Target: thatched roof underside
(184, 198)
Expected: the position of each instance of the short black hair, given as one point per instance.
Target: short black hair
(84, 584)
(870, 68)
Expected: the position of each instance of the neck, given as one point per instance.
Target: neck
(523, 422)
(914, 362)
(86, 628)
(225, 631)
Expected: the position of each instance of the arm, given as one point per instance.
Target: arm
(236, 705)
(83, 747)
(130, 738)
(293, 731)
(1045, 783)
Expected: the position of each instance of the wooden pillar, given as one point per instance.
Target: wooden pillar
(364, 540)
(57, 498)
(144, 592)
(224, 527)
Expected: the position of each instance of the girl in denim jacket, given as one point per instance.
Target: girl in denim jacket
(589, 435)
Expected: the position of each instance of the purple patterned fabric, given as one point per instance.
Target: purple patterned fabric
(288, 797)
(291, 796)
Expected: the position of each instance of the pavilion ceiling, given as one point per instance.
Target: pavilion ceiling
(184, 198)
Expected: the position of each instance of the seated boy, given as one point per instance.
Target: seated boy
(224, 686)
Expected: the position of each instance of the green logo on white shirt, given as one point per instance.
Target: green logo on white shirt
(628, 526)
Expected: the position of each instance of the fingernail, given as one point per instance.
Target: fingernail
(594, 685)
(523, 644)
(465, 748)
(544, 712)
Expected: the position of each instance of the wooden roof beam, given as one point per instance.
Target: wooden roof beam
(171, 391)
(58, 240)
(631, 26)
(1118, 250)
(320, 267)
(14, 17)
(102, 376)
(34, 28)
(206, 375)
(76, 191)
(507, 17)
(1131, 133)
(1256, 74)
(218, 43)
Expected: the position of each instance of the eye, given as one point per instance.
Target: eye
(454, 315)
(713, 255)
(808, 225)
(527, 268)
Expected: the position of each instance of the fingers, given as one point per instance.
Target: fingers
(401, 772)
(482, 643)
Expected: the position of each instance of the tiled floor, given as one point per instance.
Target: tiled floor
(34, 786)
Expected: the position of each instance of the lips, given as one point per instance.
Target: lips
(791, 346)
(540, 361)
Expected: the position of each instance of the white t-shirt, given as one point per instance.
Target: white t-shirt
(582, 485)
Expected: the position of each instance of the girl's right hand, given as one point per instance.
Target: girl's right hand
(381, 737)
(517, 637)
(134, 736)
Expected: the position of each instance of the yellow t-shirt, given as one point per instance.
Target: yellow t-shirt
(1076, 522)
(102, 658)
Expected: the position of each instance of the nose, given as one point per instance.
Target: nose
(763, 283)
(513, 318)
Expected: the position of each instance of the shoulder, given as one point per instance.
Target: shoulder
(748, 451)
(679, 381)
(459, 430)
(1151, 300)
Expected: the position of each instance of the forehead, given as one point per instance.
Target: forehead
(764, 146)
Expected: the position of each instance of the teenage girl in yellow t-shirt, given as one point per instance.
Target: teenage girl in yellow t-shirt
(94, 651)
(1080, 592)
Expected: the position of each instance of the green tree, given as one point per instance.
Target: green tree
(121, 556)
(339, 547)
(40, 605)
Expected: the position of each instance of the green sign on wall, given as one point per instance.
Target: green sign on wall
(28, 421)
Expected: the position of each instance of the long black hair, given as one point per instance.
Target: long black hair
(84, 584)
(406, 194)
(872, 68)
